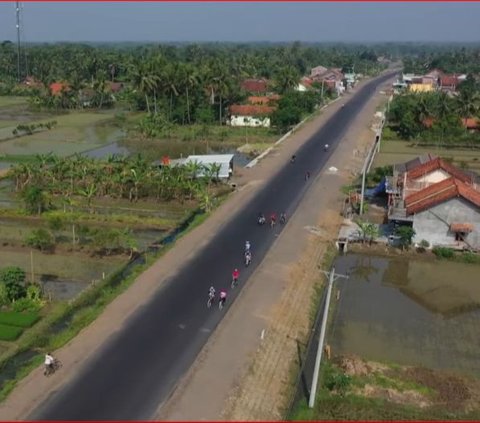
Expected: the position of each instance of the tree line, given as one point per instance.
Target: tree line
(183, 83)
(436, 115)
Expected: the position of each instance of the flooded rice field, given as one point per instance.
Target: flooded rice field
(410, 312)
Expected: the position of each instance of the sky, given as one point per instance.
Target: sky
(242, 21)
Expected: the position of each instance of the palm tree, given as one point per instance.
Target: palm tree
(286, 79)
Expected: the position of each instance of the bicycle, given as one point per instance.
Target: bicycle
(211, 298)
(50, 370)
(221, 303)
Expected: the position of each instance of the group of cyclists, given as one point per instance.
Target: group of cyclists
(261, 220)
(235, 276)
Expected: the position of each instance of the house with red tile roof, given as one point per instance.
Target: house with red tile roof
(255, 86)
(250, 115)
(56, 88)
(441, 202)
(446, 214)
(264, 100)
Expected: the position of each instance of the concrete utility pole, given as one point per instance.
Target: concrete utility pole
(18, 40)
(332, 277)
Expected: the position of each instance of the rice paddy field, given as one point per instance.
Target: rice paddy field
(399, 151)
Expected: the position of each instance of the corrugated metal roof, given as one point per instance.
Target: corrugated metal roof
(211, 158)
(221, 159)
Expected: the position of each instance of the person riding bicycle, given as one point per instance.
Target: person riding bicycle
(326, 147)
(247, 245)
(273, 218)
(292, 160)
(223, 297)
(261, 218)
(211, 292)
(49, 361)
(283, 217)
(235, 275)
(248, 257)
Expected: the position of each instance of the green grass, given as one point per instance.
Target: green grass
(22, 320)
(398, 151)
(7, 101)
(9, 333)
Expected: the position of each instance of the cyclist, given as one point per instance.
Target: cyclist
(211, 292)
(211, 296)
(326, 147)
(248, 257)
(283, 218)
(236, 274)
(223, 298)
(49, 360)
(261, 219)
(307, 176)
(292, 160)
(273, 219)
(247, 245)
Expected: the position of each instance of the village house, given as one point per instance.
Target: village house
(332, 79)
(255, 86)
(264, 100)
(440, 202)
(56, 88)
(317, 71)
(250, 115)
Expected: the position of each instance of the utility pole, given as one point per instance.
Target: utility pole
(332, 277)
(18, 40)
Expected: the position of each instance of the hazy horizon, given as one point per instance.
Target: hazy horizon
(242, 22)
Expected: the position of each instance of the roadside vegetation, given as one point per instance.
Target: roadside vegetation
(354, 389)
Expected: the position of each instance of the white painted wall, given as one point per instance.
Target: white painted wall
(433, 224)
(250, 121)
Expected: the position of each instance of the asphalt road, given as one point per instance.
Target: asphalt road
(138, 368)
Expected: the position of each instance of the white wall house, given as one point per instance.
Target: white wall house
(250, 115)
(250, 121)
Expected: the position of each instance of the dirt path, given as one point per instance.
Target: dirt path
(244, 372)
(259, 299)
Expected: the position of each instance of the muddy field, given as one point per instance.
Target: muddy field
(406, 311)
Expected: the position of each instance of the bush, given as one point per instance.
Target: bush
(443, 252)
(40, 239)
(470, 257)
(23, 320)
(26, 304)
(13, 278)
(9, 333)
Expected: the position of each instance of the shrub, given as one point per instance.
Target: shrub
(337, 381)
(470, 257)
(26, 304)
(23, 320)
(443, 252)
(40, 239)
(9, 333)
(13, 278)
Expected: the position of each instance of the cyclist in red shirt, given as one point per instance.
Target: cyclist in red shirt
(235, 276)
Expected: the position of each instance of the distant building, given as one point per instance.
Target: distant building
(223, 161)
(250, 115)
(259, 86)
